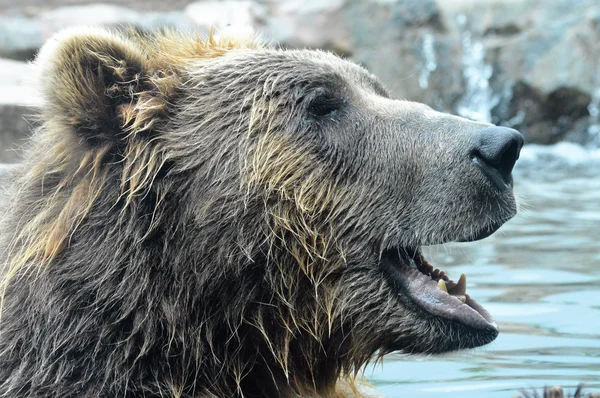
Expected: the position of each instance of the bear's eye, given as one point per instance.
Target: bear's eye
(324, 104)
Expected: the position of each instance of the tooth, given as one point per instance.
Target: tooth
(462, 298)
(461, 287)
(442, 285)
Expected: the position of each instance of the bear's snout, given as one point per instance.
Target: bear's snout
(495, 152)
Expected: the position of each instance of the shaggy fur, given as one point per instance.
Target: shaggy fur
(204, 218)
(558, 392)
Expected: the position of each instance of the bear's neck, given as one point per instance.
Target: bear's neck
(137, 297)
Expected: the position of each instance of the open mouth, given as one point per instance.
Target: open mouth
(433, 291)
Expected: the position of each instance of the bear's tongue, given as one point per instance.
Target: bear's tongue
(437, 294)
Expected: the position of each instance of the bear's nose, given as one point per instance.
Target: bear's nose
(495, 152)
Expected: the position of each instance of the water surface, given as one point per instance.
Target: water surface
(539, 276)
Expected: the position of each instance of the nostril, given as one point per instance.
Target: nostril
(496, 151)
(509, 157)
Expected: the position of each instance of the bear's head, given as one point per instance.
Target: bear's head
(241, 219)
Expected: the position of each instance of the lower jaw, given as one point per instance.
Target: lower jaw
(484, 233)
(467, 324)
(436, 337)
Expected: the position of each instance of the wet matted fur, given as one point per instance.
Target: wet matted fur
(557, 392)
(208, 218)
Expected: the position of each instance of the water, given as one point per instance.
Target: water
(478, 99)
(540, 278)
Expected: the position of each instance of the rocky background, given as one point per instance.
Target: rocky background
(530, 64)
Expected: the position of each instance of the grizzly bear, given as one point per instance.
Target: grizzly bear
(218, 218)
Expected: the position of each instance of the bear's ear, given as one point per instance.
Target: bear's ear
(99, 85)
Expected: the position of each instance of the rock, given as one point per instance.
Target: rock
(239, 14)
(312, 23)
(567, 102)
(530, 64)
(87, 15)
(16, 102)
(544, 118)
(13, 87)
(112, 16)
(545, 61)
(403, 42)
(21, 36)
(494, 61)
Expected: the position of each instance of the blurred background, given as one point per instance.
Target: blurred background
(533, 65)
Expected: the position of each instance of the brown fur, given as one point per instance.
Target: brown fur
(204, 218)
(163, 56)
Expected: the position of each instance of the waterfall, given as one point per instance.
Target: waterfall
(594, 110)
(478, 100)
(429, 60)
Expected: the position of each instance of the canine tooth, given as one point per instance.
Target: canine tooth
(462, 298)
(442, 285)
(461, 286)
